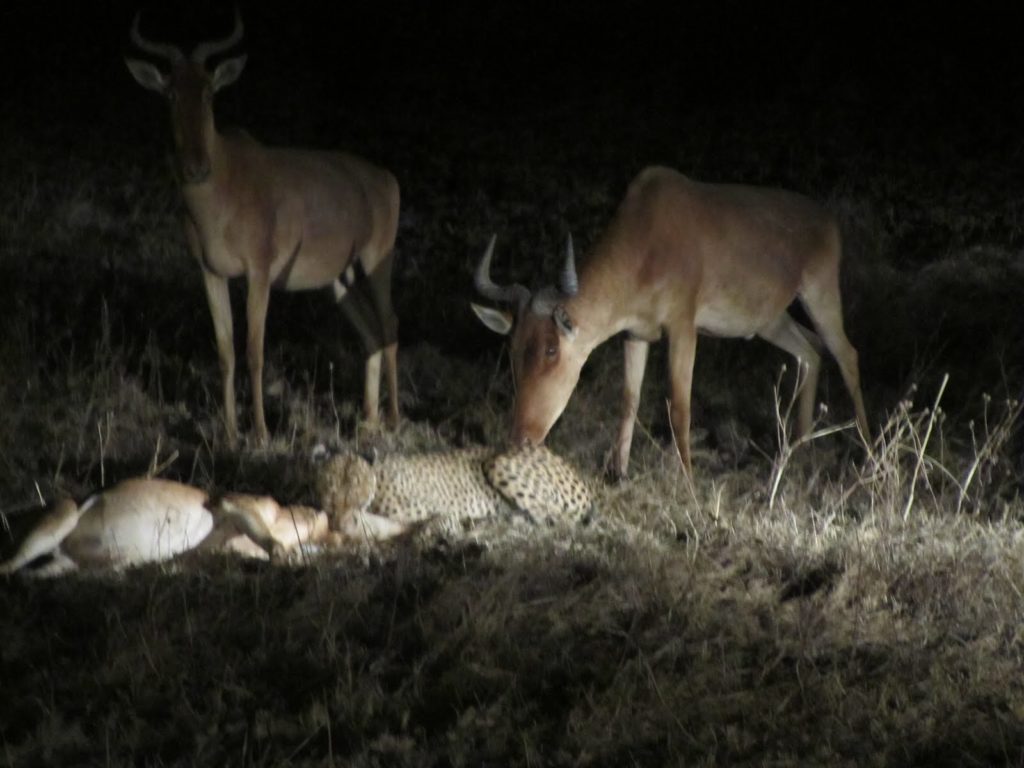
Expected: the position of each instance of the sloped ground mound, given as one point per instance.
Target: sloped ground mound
(604, 645)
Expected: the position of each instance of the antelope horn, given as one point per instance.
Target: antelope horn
(203, 51)
(511, 294)
(567, 281)
(163, 50)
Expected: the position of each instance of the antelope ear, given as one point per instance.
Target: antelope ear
(498, 320)
(227, 72)
(147, 75)
(563, 321)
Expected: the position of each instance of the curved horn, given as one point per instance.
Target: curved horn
(163, 50)
(567, 281)
(512, 294)
(205, 50)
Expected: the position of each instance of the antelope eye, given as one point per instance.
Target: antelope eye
(551, 351)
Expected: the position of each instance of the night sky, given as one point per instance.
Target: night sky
(955, 66)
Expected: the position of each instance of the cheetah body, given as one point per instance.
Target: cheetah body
(452, 490)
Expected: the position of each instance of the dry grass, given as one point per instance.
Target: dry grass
(800, 604)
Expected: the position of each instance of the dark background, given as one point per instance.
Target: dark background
(901, 69)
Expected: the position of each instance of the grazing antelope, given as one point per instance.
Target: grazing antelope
(145, 520)
(283, 218)
(679, 257)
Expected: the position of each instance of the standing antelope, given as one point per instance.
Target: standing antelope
(679, 257)
(282, 217)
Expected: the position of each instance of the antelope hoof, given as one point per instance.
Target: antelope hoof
(614, 472)
(372, 426)
(262, 437)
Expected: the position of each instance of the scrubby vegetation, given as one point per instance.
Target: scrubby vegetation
(797, 604)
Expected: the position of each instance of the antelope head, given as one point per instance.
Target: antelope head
(547, 355)
(189, 88)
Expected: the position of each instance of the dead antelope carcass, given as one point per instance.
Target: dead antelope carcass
(679, 257)
(141, 520)
(245, 519)
(146, 520)
(284, 218)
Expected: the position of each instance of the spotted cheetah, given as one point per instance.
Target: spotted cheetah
(451, 490)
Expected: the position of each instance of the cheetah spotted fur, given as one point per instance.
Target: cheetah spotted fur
(452, 490)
